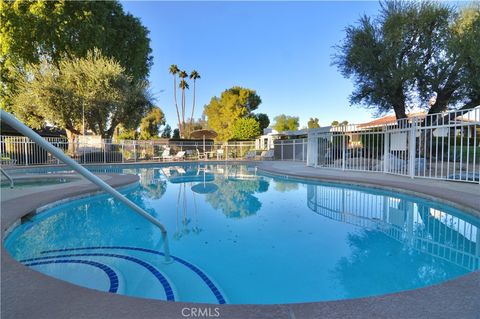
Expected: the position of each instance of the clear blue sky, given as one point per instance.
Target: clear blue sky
(281, 49)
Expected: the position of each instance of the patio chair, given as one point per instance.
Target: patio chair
(166, 155)
(159, 155)
(179, 156)
(251, 155)
(189, 154)
(267, 155)
(201, 156)
(220, 154)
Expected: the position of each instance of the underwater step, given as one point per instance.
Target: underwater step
(137, 272)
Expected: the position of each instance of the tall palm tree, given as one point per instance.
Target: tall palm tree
(173, 70)
(183, 85)
(194, 75)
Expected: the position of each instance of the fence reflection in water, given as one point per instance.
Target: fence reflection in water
(419, 226)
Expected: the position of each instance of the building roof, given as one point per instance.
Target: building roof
(472, 115)
(390, 119)
(295, 133)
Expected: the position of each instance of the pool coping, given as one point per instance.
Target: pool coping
(23, 291)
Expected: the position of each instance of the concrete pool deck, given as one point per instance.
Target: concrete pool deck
(29, 294)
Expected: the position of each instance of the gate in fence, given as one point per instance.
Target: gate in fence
(293, 150)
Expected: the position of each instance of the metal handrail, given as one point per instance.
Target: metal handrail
(23, 129)
(7, 176)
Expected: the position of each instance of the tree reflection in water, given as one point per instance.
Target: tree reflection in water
(182, 213)
(377, 263)
(153, 183)
(235, 197)
(285, 186)
(236, 189)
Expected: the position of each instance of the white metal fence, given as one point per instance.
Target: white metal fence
(18, 150)
(441, 146)
(293, 150)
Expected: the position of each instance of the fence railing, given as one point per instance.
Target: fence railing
(292, 150)
(440, 146)
(19, 150)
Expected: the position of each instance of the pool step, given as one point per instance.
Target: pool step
(130, 271)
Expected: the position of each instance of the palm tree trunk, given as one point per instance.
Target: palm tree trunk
(176, 103)
(182, 131)
(183, 112)
(193, 105)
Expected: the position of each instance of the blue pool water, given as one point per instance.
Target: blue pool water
(240, 236)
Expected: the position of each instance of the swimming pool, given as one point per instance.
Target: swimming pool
(243, 237)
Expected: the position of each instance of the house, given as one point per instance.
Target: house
(267, 140)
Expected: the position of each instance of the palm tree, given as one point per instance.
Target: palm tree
(183, 85)
(173, 70)
(194, 75)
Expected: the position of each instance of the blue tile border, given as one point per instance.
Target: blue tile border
(112, 276)
(216, 292)
(165, 284)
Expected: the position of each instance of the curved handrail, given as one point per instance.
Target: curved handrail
(7, 176)
(23, 129)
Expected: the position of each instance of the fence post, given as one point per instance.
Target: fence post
(293, 150)
(25, 150)
(386, 150)
(104, 152)
(123, 157)
(134, 151)
(281, 150)
(411, 147)
(344, 151)
(58, 160)
(303, 150)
